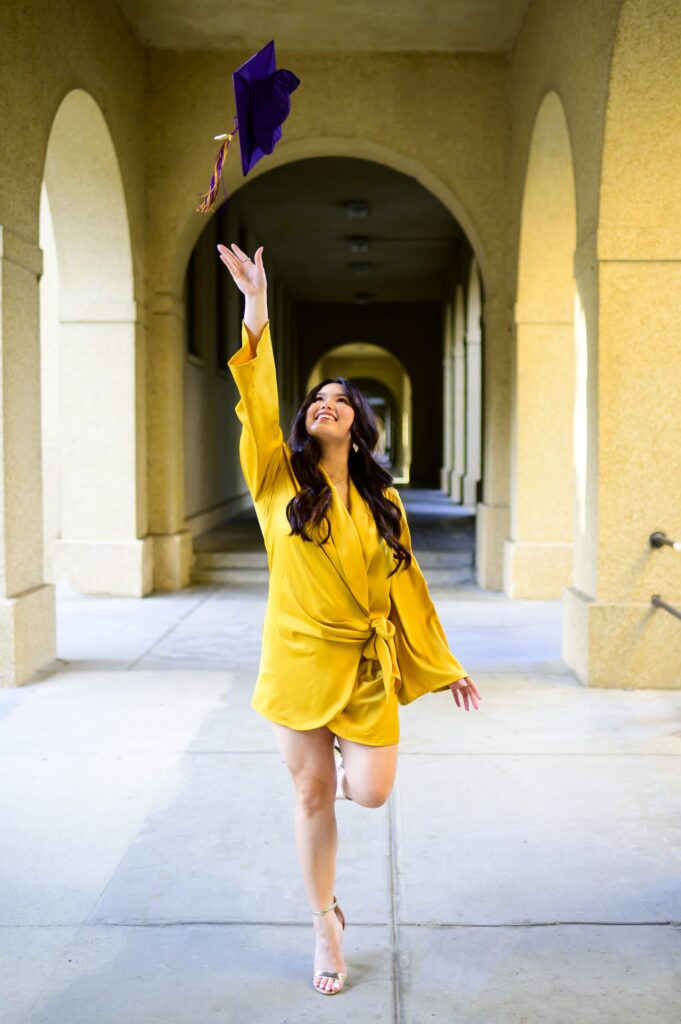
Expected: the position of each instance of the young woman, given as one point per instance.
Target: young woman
(350, 630)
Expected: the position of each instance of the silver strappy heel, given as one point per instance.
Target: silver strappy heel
(336, 975)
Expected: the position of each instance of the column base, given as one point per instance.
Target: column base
(491, 530)
(115, 568)
(28, 634)
(456, 487)
(537, 572)
(631, 646)
(173, 558)
(470, 490)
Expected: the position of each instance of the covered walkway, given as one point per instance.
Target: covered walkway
(525, 868)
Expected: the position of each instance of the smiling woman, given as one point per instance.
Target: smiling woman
(350, 631)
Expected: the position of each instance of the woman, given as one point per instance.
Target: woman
(350, 630)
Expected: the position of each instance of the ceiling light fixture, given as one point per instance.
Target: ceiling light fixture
(357, 208)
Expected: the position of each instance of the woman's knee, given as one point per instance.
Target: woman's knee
(314, 792)
(371, 795)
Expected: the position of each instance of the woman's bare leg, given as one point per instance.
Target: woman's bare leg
(370, 774)
(369, 771)
(309, 757)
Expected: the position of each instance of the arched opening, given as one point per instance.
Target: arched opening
(92, 378)
(386, 384)
(628, 296)
(538, 554)
(353, 250)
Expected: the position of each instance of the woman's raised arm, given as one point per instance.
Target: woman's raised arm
(254, 371)
(250, 279)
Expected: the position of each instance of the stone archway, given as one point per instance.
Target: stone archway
(390, 378)
(538, 554)
(94, 429)
(166, 464)
(629, 279)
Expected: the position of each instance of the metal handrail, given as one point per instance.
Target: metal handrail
(659, 603)
(660, 539)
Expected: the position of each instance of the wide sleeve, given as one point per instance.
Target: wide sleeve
(262, 441)
(425, 661)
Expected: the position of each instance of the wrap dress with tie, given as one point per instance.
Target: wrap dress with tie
(342, 644)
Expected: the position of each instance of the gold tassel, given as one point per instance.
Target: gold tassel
(211, 195)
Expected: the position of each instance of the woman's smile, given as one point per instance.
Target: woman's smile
(331, 405)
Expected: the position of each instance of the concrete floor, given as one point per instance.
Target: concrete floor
(527, 867)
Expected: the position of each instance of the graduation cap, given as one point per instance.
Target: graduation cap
(262, 94)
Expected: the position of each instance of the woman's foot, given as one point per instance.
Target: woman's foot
(341, 783)
(341, 777)
(328, 954)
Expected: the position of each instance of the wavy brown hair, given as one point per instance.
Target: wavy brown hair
(311, 503)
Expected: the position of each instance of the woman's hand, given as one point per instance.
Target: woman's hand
(248, 276)
(467, 687)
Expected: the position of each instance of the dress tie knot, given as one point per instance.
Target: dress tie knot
(381, 646)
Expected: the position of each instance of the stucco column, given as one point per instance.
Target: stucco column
(27, 605)
(473, 418)
(458, 399)
(629, 468)
(538, 554)
(492, 519)
(447, 412)
(102, 421)
(173, 550)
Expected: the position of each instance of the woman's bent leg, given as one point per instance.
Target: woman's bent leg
(309, 758)
(369, 771)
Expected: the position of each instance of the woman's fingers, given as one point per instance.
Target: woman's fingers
(469, 692)
(241, 255)
(228, 258)
(238, 271)
(472, 688)
(248, 274)
(224, 256)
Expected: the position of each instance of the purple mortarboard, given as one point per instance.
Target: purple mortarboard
(262, 94)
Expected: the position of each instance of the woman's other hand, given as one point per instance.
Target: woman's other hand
(467, 687)
(248, 275)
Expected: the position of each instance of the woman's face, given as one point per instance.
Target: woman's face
(330, 415)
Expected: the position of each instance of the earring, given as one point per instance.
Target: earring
(355, 446)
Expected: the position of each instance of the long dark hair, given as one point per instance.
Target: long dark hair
(310, 504)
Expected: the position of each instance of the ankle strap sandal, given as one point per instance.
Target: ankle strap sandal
(336, 975)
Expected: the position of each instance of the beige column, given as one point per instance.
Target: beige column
(459, 397)
(173, 550)
(629, 477)
(538, 554)
(492, 517)
(27, 606)
(473, 389)
(628, 430)
(447, 411)
(102, 422)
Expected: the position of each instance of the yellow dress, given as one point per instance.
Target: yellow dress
(342, 645)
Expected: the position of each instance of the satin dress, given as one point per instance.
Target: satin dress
(342, 645)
